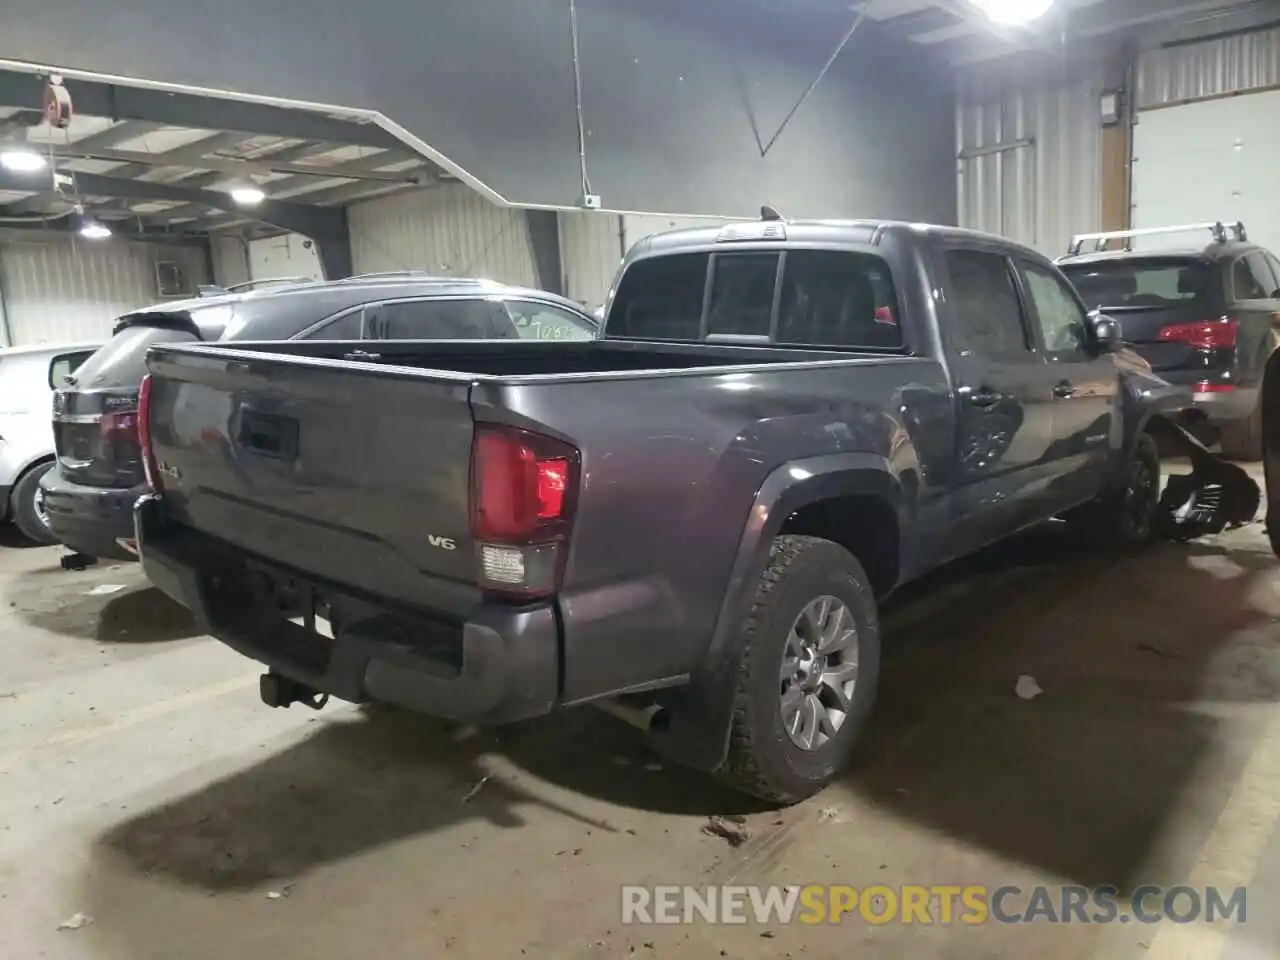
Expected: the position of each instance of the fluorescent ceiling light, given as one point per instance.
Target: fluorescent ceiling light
(93, 230)
(21, 160)
(247, 195)
(1013, 11)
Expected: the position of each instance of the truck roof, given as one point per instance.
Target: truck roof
(866, 231)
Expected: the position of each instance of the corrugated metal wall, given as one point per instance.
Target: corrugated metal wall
(591, 247)
(230, 260)
(449, 231)
(58, 288)
(1047, 188)
(1246, 61)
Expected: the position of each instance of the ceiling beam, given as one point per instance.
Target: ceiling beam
(228, 165)
(348, 192)
(119, 102)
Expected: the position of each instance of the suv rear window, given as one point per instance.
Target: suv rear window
(1138, 283)
(827, 298)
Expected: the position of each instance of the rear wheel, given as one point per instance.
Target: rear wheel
(809, 671)
(28, 508)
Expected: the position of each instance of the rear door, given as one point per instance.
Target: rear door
(1085, 388)
(1004, 397)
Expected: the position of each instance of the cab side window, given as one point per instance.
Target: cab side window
(344, 328)
(541, 321)
(1061, 321)
(985, 300)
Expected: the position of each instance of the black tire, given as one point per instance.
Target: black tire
(763, 759)
(1125, 517)
(23, 504)
(1242, 439)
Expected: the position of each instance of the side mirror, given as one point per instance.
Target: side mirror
(1106, 332)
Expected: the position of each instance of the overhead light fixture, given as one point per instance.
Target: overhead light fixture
(247, 194)
(21, 159)
(1013, 12)
(92, 229)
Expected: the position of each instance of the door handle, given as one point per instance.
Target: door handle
(985, 397)
(1064, 390)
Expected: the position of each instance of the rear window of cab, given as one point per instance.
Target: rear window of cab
(814, 298)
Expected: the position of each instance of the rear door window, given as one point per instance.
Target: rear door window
(344, 328)
(1260, 268)
(541, 321)
(440, 319)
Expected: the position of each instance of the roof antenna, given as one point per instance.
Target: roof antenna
(769, 213)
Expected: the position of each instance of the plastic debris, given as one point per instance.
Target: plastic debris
(1027, 688)
(75, 922)
(477, 788)
(105, 589)
(735, 833)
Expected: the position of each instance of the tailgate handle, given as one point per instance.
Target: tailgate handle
(269, 435)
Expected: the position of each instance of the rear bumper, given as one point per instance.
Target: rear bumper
(501, 664)
(90, 520)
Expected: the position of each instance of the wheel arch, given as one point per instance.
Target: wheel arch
(696, 728)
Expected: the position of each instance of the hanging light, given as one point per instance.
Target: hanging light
(21, 157)
(247, 193)
(90, 227)
(1013, 12)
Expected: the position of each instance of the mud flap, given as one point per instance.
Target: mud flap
(1215, 496)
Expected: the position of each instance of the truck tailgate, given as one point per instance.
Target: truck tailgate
(350, 472)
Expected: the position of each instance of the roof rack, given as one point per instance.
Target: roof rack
(1218, 230)
(409, 274)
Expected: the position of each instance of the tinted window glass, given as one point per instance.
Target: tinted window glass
(344, 328)
(1275, 271)
(1157, 282)
(660, 299)
(63, 365)
(441, 320)
(836, 299)
(986, 302)
(1059, 317)
(1247, 282)
(122, 362)
(1260, 269)
(742, 294)
(540, 321)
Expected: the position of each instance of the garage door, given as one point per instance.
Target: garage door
(1207, 161)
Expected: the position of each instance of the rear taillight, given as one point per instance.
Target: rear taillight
(523, 490)
(149, 466)
(1205, 334)
(1207, 386)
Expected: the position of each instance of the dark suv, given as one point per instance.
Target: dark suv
(1207, 318)
(89, 495)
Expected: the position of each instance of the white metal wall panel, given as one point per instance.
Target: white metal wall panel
(1209, 161)
(230, 260)
(289, 255)
(590, 252)
(59, 288)
(1046, 186)
(1214, 68)
(449, 231)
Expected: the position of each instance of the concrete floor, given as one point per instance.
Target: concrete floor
(142, 784)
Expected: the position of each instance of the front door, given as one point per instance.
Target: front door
(1087, 427)
(1004, 398)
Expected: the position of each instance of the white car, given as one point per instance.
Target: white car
(28, 376)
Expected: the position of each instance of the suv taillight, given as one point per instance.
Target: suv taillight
(1217, 334)
(149, 465)
(523, 492)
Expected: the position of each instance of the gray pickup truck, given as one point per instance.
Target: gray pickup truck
(694, 516)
